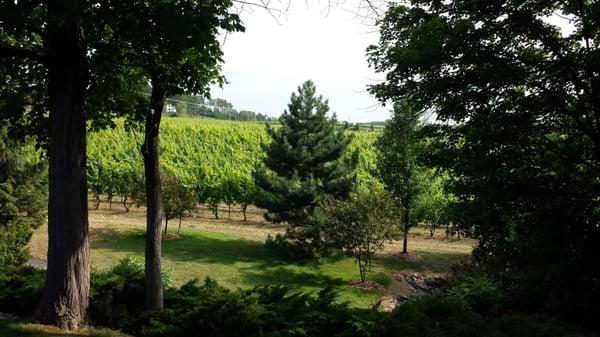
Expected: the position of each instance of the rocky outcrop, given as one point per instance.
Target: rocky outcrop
(407, 286)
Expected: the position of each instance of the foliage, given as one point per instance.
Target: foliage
(303, 167)
(20, 289)
(177, 198)
(197, 152)
(399, 149)
(199, 106)
(515, 96)
(115, 294)
(210, 310)
(23, 195)
(360, 226)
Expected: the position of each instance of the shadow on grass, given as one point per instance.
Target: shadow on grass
(427, 262)
(204, 247)
(13, 329)
(257, 264)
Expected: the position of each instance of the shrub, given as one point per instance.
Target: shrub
(361, 226)
(117, 295)
(210, 310)
(20, 290)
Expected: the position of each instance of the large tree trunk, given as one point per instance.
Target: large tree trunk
(64, 300)
(154, 203)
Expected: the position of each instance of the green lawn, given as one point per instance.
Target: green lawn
(233, 253)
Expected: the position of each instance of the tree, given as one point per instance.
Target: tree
(361, 225)
(303, 168)
(398, 162)
(177, 199)
(180, 53)
(518, 125)
(44, 42)
(23, 194)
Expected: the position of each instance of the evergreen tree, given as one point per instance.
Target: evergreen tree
(303, 167)
(22, 199)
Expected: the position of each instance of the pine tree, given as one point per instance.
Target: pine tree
(303, 167)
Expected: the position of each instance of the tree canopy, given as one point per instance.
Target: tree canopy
(514, 88)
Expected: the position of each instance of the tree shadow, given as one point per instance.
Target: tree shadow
(287, 276)
(426, 262)
(211, 248)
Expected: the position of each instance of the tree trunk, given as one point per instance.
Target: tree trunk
(125, 203)
(405, 230)
(166, 225)
(179, 227)
(110, 202)
(229, 214)
(64, 301)
(154, 204)
(244, 207)
(97, 201)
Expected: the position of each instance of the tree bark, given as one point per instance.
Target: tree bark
(154, 203)
(64, 301)
(405, 230)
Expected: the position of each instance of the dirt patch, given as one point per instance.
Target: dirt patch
(36, 263)
(411, 257)
(170, 237)
(367, 286)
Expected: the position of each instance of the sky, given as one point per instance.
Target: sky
(267, 62)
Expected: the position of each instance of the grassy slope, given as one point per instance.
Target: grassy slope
(233, 253)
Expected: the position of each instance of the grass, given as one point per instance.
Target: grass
(10, 328)
(233, 252)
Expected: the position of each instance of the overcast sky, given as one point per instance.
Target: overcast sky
(268, 61)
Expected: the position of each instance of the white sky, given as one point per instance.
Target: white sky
(265, 64)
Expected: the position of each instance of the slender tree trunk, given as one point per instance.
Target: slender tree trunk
(110, 202)
(97, 201)
(229, 214)
(64, 301)
(179, 227)
(125, 203)
(405, 231)
(154, 203)
(244, 207)
(166, 225)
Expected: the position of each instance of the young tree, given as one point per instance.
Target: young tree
(361, 225)
(177, 199)
(303, 167)
(180, 53)
(398, 162)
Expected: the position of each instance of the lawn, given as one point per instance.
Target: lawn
(9, 328)
(233, 252)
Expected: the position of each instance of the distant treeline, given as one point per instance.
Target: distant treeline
(219, 108)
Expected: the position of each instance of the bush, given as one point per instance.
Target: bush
(482, 295)
(117, 295)
(210, 310)
(20, 290)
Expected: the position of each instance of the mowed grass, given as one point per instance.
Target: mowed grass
(232, 251)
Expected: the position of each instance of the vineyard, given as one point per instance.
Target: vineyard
(211, 159)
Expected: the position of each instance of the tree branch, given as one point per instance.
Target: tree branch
(15, 51)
